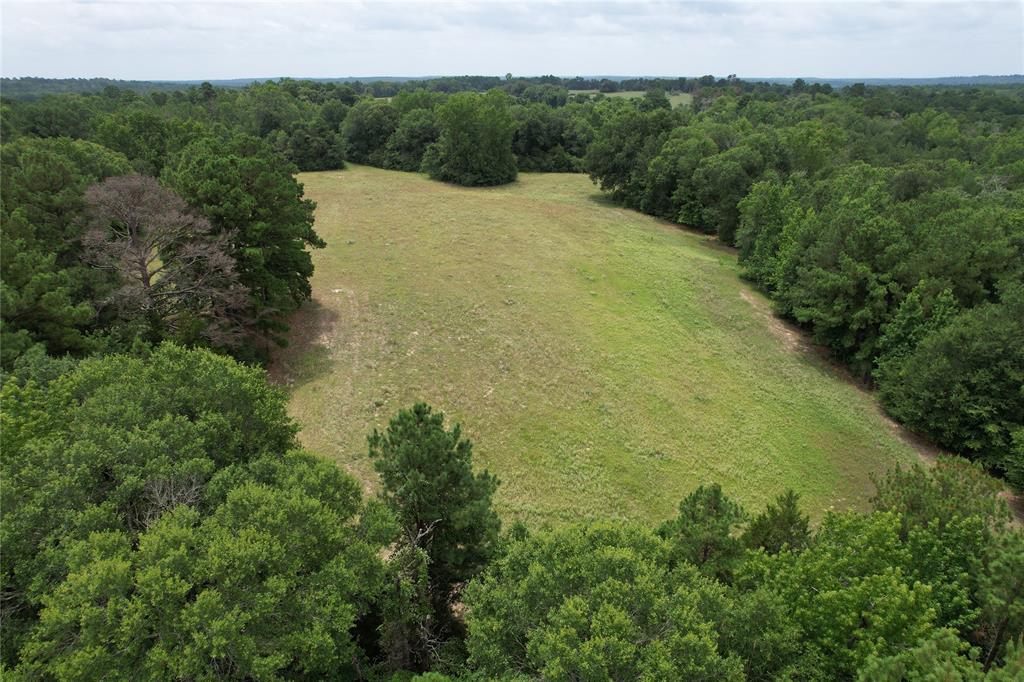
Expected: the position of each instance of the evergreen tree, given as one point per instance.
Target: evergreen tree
(246, 189)
(47, 294)
(781, 525)
(443, 508)
(703, 532)
(597, 601)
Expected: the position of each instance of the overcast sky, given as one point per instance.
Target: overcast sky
(136, 39)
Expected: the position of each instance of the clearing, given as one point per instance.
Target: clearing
(675, 98)
(602, 362)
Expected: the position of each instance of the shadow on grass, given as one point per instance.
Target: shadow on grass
(308, 353)
(709, 240)
(602, 199)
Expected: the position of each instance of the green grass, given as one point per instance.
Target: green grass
(602, 362)
(676, 98)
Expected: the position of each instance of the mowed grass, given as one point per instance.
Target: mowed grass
(675, 98)
(602, 362)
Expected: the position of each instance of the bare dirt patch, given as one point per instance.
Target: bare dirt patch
(790, 335)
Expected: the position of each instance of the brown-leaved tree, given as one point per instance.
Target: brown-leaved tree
(177, 278)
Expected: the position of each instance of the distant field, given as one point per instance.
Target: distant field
(602, 362)
(675, 98)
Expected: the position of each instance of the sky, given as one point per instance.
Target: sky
(191, 40)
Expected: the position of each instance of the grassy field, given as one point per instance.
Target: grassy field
(676, 98)
(603, 363)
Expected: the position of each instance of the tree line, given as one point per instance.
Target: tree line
(96, 256)
(888, 224)
(162, 522)
(318, 126)
(32, 87)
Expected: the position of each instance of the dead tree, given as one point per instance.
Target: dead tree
(173, 270)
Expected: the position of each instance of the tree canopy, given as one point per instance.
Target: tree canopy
(248, 191)
(475, 142)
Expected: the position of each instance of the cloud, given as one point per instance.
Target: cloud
(227, 39)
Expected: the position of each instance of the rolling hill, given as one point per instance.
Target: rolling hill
(602, 362)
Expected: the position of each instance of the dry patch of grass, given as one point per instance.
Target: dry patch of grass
(603, 363)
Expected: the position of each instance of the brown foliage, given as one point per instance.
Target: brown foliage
(173, 270)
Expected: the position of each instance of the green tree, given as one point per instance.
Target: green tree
(58, 116)
(781, 525)
(618, 157)
(961, 385)
(332, 114)
(595, 602)
(366, 130)
(37, 297)
(35, 365)
(145, 137)
(812, 147)
(654, 98)
(911, 323)
(966, 244)
(475, 143)
(47, 295)
(938, 658)
(942, 658)
(315, 147)
(759, 628)
(672, 167)
(764, 212)
(539, 141)
(703, 533)
(443, 508)
(842, 269)
(950, 518)
(244, 188)
(850, 592)
(719, 183)
(111, 447)
(269, 108)
(416, 131)
(1002, 595)
(265, 583)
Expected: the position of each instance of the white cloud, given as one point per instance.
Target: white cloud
(194, 40)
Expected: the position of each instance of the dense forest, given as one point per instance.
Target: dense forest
(161, 520)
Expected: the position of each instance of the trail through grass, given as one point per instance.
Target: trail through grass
(602, 362)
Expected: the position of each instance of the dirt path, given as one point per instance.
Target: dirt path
(796, 340)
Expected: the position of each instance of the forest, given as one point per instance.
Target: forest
(162, 521)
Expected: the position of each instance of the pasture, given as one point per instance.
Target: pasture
(602, 362)
(676, 98)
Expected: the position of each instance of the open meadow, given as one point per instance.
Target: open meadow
(675, 98)
(602, 362)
